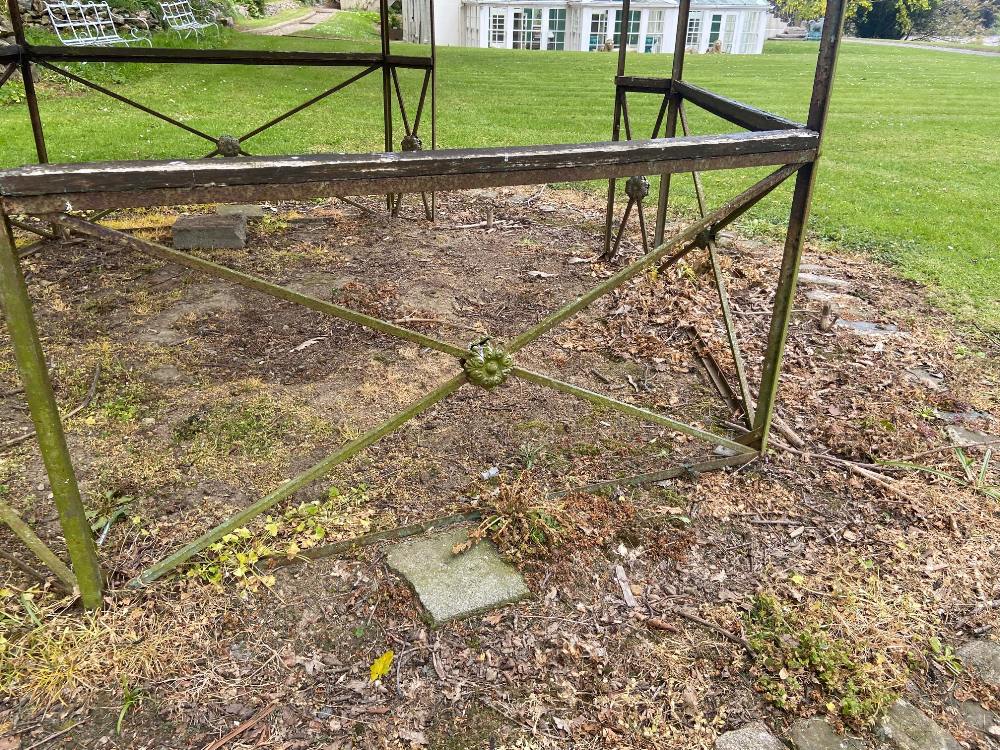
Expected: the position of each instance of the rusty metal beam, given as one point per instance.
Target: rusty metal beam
(64, 187)
(168, 55)
(733, 111)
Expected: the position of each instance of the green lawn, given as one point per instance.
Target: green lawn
(288, 14)
(911, 170)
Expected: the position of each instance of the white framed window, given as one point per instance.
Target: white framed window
(598, 29)
(526, 28)
(728, 32)
(750, 37)
(714, 29)
(557, 29)
(633, 29)
(654, 31)
(693, 38)
(498, 27)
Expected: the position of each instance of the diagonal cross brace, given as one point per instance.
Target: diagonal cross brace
(687, 239)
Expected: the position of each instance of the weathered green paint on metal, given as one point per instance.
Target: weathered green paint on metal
(48, 558)
(625, 408)
(292, 486)
(798, 218)
(673, 472)
(720, 285)
(45, 415)
(487, 365)
(254, 282)
(692, 234)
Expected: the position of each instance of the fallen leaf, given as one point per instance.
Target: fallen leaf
(415, 738)
(381, 666)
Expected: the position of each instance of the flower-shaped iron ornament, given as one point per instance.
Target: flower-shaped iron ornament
(637, 187)
(487, 364)
(411, 142)
(228, 145)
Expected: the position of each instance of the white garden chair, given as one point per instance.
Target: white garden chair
(179, 16)
(82, 24)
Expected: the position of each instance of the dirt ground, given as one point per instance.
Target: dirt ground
(660, 616)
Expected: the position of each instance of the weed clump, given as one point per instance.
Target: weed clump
(797, 664)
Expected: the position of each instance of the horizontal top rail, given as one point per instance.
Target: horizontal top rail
(171, 55)
(731, 110)
(62, 187)
(644, 84)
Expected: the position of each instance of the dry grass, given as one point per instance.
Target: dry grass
(49, 655)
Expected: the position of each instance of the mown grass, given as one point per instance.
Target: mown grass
(288, 14)
(358, 25)
(911, 171)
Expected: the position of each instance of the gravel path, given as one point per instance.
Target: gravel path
(932, 47)
(298, 24)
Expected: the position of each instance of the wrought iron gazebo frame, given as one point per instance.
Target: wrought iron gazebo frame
(74, 197)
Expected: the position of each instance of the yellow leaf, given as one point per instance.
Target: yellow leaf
(381, 666)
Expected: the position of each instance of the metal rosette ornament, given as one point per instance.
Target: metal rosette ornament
(411, 142)
(228, 145)
(637, 187)
(487, 365)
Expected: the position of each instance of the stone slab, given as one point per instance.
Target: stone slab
(455, 586)
(969, 438)
(984, 657)
(867, 328)
(818, 279)
(842, 304)
(983, 721)
(817, 734)
(248, 210)
(210, 231)
(754, 736)
(905, 727)
(933, 381)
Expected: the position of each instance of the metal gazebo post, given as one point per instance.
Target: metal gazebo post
(616, 126)
(670, 127)
(30, 95)
(434, 96)
(819, 105)
(45, 414)
(383, 14)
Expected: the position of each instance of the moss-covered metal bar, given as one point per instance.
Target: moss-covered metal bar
(625, 408)
(292, 486)
(254, 282)
(48, 558)
(693, 235)
(45, 415)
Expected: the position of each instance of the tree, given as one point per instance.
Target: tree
(888, 18)
(951, 18)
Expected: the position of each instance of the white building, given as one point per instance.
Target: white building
(734, 26)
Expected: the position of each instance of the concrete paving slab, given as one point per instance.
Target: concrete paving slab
(455, 586)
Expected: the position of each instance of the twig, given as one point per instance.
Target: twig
(51, 737)
(23, 567)
(711, 626)
(236, 731)
(86, 402)
(946, 448)
(852, 466)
